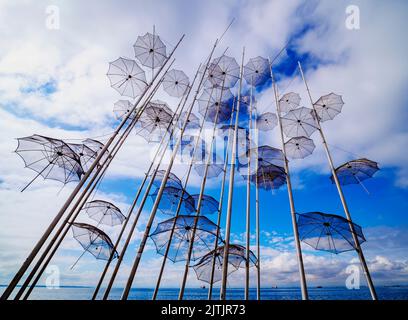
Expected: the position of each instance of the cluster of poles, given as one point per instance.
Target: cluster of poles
(189, 235)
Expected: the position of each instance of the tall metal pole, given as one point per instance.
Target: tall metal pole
(220, 202)
(161, 189)
(341, 195)
(138, 193)
(75, 210)
(248, 201)
(192, 160)
(200, 197)
(303, 285)
(231, 189)
(67, 203)
(257, 222)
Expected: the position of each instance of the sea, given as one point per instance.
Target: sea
(323, 293)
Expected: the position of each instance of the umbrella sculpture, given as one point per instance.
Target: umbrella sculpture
(356, 171)
(299, 147)
(266, 121)
(172, 180)
(213, 76)
(170, 200)
(236, 259)
(94, 241)
(328, 106)
(289, 101)
(299, 122)
(97, 147)
(126, 77)
(104, 212)
(86, 155)
(215, 166)
(225, 72)
(270, 177)
(256, 71)
(208, 204)
(193, 122)
(175, 83)
(260, 156)
(328, 232)
(150, 50)
(51, 158)
(154, 121)
(121, 109)
(183, 229)
(215, 99)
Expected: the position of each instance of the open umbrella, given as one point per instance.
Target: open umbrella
(289, 101)
(256, 71)
(175, 83)
(328, 106)
(299, 147)
(104, 212)
(208, 204)
(266, 121)
(299, 122)
(150, 50)
(170, 200)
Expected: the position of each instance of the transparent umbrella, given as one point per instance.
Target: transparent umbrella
(299, 147)
(299, 122)
(150, 50)
(328, 106)
(289, 101)
(175, 83)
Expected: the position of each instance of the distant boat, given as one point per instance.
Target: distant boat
(319, 287)
(274, 287)
(202, 287)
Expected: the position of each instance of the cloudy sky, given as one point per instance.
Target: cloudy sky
(53, 82)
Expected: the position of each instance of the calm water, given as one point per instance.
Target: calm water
(329, 293)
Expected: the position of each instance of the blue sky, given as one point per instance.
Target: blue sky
(53, 83)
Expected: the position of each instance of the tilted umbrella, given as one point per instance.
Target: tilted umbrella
(193, 122)
(226, 71)
(150, 50)
(328, 232)
(86, 155)
(328, 106)
(213, 100)
(266, 121)
(104, 212)
(204, 237)
(155, 121)
(208, 204)
(270, 177)
(51, 158)
(175, 83)
(356, 171)
(122, 108)
(126, 77)
(213, 76)
(236, 259)
(172, 180)
(260, 157)
(170, 200)
(215, 166)
(299, 147)
(94, 241)
(299, 122)
(97, 147)
(256, 71)
(289, 101)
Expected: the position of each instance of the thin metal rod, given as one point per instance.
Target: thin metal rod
(140, 190)
(161, 189)
(220, 202)
(74, 193)
(248, 201)
(79, 204)
(192, 160)
(341, 195)
(231, 189)
(303, 285)
(200, 197)
(37, 175)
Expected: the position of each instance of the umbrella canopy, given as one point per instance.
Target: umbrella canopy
(122, 108)
(172, 180)
(289, 101)
(190, 145)
(150, 50)
(97, 147)
(126, 77)
(193, 122)
(51, 158)
(269, 177)
(225, 71)
(175, 83)
(215, 166)
(170, 200)
(328, 232)
(104, 212)
(266, 121)
(213, 100)
(94, 240)
(155, 121)
(299, 122)
(356, 171)
(236, 259)
(328, 106)
(205, 236)
(256, 71)
(208, 204)
(86, 155)
(260, 156)
(299, 147)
